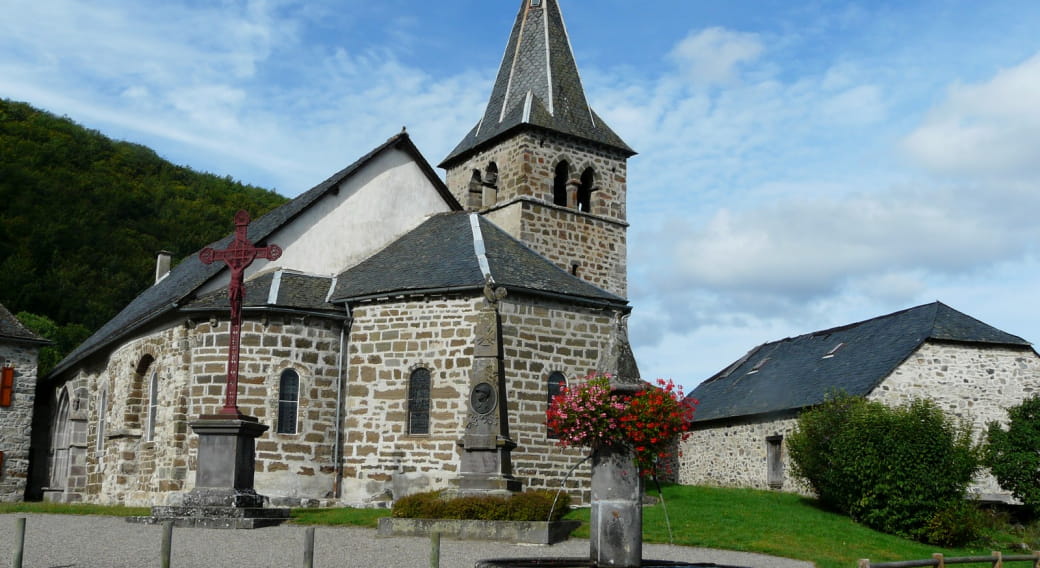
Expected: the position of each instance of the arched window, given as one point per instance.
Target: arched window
(588, 180)
(563, 173)
(60, 443)
(102, 411)
(153, 406)
(419, 401)
(136, 403)
(554, 386)
(288, 401)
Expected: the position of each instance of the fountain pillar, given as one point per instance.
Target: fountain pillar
(616, 523)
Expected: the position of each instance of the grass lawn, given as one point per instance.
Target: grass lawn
(768, 522)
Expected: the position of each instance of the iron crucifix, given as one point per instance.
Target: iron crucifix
(238, 256)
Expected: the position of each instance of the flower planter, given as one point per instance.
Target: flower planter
(526, 532)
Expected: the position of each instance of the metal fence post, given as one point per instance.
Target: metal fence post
(308, 548)
(167, 544)
(19, 542)
(435, 550)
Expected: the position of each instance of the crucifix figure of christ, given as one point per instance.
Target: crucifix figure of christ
(238, 256)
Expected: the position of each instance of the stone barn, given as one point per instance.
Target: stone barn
(969, 368)
(411, 333)
(19, 358)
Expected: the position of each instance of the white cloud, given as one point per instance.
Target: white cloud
(712, 56)
(989, 129)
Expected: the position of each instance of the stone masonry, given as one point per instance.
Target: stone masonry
(16, 420)
(518, 196)
(972, 382)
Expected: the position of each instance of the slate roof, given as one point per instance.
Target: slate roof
(538, 86)
(12, 330)
(179, 285)
(797, 372)
(443, 255)
(292, 290)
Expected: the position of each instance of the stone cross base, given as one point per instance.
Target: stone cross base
(223, 496)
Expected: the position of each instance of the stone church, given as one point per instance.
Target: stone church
(409, 336)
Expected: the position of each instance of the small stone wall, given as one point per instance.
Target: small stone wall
(16, 420)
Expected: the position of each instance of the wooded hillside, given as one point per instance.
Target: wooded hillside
(83, 216)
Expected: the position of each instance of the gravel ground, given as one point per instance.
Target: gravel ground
(61, 541)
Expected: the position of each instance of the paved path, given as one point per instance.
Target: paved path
(65, 541)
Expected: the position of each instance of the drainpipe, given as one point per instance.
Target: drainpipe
(343, 366)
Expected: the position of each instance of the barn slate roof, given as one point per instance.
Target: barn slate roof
(12, 330)
(799, 372)
(444, 254)
(538, 86)
(178, 287)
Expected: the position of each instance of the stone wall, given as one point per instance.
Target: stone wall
(388, 341)
(16, 420)
(190, 359)
(539, 338)
(974, 382)
(521, 202)
(735, 454)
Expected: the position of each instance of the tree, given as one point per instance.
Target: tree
(1013, 455)
(901, 470)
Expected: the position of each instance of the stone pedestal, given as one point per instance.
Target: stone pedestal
(486, 471)
(616, 522)
(223, 496)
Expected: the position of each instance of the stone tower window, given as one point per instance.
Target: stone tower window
(563, 173)
(288, 401)
(588, 179)
(419, 402)
(153, 406)
(554, 387)
(490, 189)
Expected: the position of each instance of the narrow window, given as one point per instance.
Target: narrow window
(588, 179)
(554, 387)
(60, 443)
(153, 406)
(419, 402)
(6, 386)
(774, 457)
(560, 184)
(490, 189)
(102, 410)
(288, 401)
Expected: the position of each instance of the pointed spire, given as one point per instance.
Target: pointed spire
(538, 85)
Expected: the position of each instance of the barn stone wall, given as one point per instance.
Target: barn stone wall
(736, 454)
(974, 382)
(16, 420)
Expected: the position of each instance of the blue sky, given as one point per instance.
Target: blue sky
(802, 165)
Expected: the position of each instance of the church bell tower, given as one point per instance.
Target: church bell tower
(541, 164)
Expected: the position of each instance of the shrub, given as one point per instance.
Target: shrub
(527, 506)
(1013, 455)
(892, 469)
(958, 523)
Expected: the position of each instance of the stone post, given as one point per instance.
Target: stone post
(616, 522)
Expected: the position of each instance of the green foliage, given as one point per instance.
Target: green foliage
(893, 469)
(82, 216)
(527, 506)
(65, 338)
(1013, 455)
